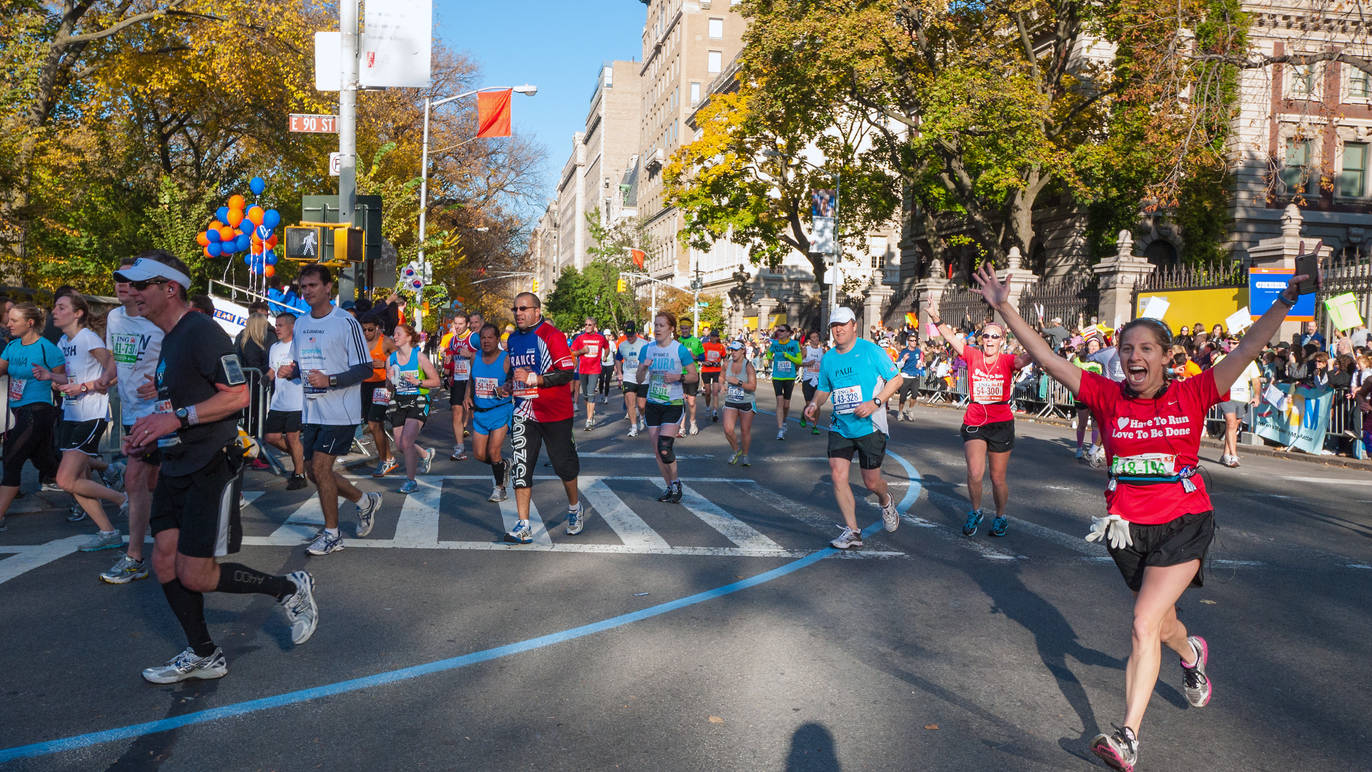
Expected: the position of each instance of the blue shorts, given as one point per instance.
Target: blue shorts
(486, 421)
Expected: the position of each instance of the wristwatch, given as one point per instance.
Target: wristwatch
(85, 387)
(877, 400)
(184, 416)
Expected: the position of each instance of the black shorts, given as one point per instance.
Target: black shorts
(871, 448)
(589, 383)
(457, 392)
(527, 435)
(635, 388)
(81, 435)
(203, 505)
(409, 407)
(998, 435)
(742, 407)
(329, 440)
(30, 439)
(282, 422)
(783, 388)
(909, 388)
(658, 415)
(1166, 544)
(708, 377)
(807, 390)
(373, 413)
(690, 389)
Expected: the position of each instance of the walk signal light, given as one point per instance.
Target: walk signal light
(305, 243)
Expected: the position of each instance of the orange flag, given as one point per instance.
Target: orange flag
(493, 113)
(639, 257)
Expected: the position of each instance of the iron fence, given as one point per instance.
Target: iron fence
(1347, 273)
(1075, 298)
(1196, 277)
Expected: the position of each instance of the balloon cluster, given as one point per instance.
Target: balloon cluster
(247, 230)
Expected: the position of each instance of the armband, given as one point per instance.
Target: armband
(1281, 296)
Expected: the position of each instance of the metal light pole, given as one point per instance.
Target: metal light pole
(347, 130)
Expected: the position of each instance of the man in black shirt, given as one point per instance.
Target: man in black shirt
(199, 387)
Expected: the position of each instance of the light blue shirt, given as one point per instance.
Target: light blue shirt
(854, 378)
(24, 388)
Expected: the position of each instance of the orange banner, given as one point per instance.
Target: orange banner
(493, 113)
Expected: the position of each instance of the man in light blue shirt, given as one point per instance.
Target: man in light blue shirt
(859, 377)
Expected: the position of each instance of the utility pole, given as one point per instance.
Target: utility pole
(348, 13)
(696, 285)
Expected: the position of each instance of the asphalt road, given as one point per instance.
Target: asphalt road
(716, 634)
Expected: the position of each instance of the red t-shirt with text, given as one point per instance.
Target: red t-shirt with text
(595, 345)
(714, 357)
(988, 381)
(1152, 437)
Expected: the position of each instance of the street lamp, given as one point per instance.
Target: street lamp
(429, 104)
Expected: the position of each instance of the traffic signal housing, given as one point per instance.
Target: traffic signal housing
(623, 285)
(347, 245)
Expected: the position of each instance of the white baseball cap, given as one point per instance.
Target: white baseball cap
(842, 315)
(145, 268)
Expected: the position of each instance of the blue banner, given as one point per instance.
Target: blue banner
(1264, 284)
(1300, 423)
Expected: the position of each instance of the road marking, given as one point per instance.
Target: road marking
(644, 455)
(623, 521)
(25, 558)
(303, 524)
(509, 513)
(604, 549)
(417, 525)
(1328, 480)
(734, 530)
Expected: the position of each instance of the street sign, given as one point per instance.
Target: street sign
(305, 123)
(335, 163)
(702, 304)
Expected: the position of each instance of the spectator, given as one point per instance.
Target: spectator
(1359, 336)
(1341, 374)
(1055, 333)
(51, 331)
(1317, 372)
(1183, 337)
(1311, 335)
(203, 304)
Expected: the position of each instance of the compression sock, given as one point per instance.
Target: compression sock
(189, 608)
(498, 470)
(238, 578)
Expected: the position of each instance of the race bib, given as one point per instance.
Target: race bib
(1144, 465)
(524, 391)
(712, 357)
(783, 368)
(658, 390)
(986, 390)
(16, 390)
(410, 386)
(170, 440)
(462, 368)
(381, 397)
(485, 387)
(735, 394)
(846, 398)
(592, 349)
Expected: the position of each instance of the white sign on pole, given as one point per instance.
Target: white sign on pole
(397, 41)
(1155, 308)
(1239, 321)
(335, 164)
(823, 239)
(328, 60)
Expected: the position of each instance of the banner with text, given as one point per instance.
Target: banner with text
(1301, 421)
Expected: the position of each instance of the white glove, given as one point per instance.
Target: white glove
(531, 379)
(1112, 528)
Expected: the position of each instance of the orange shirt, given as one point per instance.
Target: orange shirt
(378, 351)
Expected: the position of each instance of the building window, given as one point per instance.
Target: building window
(1359, 83)
(695, 94)
(1295, 172)
(716, 29)
(1353, 179)
(714, 62)
(1301, 81)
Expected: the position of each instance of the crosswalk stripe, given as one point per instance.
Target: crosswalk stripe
(734, 530)
(609, 549)
(628, 526)
(303, 523)
(418, 522)
(510, 514)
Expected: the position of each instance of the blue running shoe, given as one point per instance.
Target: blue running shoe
(998, 525)
(969, 528)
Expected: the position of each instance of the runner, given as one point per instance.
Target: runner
(543, 367)
(809, 375)
(376, 393)
(1160, 519)
(785, 356)
(911, 364)
(586, 347)
(136, 344)
(412, 375)
(30, 436)
(740, 401)
(282, 428)
(860, 377)
(627, 356)
(687, 424)
(988, 426)
(709, 372)
(200, 390)
(666, 365)
(85, 411)
(1084, 413)
(458, 359)
(491, 407)
(330, 361)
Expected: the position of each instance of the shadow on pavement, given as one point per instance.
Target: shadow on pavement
(812, 748)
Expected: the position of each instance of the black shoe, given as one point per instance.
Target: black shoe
(674, 493)
(666, 495)
(297, 482)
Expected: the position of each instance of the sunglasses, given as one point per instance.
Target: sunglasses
(142, 285)
(518, 309)
(991, 336)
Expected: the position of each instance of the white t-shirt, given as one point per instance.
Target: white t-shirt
(135, 344)
(331, 345)
(82, 368)
(287, 395)
(1240, 391)
(810, 374)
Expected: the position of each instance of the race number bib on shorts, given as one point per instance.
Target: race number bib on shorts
(1144, 465)
(846, 398)
(658, 390)
(734, 393)
(381, 397)
(485, 387)
(988, 390)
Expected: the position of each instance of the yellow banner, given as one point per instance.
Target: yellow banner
(1206, 307)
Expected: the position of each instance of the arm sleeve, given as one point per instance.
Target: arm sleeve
(354, 374)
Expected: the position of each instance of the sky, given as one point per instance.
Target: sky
(556, 45)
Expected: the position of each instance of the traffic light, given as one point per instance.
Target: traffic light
(305, 243)
(535, 286)
(623, 285)
(347, 245)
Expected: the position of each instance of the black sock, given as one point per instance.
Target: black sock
(238, 578)
(189, 608)
(498, 470)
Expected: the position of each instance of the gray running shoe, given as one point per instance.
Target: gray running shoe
(113, 476)
(520, 534)
(497, 494)
(325, 544)
(103, 541)
(410, 486)
(849, 539)
(76, 514)
(51, 486)
(744, 460)
(1195, 682)
(734, 458)
(366, 513)
(890, 518)
(385, 467)
(301, 610)
(576, 519)
(125, 571)
(187, 665)
(1119, 749)
(427, 464)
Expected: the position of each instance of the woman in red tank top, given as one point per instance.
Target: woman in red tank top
(988, 426)
(1160, 521)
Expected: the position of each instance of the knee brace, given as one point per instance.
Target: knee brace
(664, 449)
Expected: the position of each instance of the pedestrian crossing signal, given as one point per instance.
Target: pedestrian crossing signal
(304, 243)
(347, 245)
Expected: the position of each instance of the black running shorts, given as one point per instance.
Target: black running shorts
(658, 415)
(870, 448)
(373, 413)
(203, 505)
(783, 388)
(999, 436)
(457, 392)
(329, 440)
(1166, 544)
(635, 388)
(81, 435)
(282, 422)
(528, 435)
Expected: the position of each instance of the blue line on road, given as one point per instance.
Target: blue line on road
(404, 674)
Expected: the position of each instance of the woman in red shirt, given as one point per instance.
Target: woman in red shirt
(988, 426)
(1160, 521)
